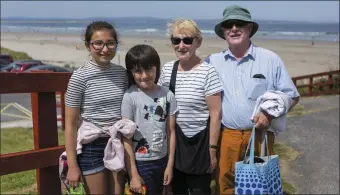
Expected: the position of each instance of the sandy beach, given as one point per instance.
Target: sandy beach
(299, 57)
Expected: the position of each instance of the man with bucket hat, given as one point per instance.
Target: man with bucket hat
(247, 72)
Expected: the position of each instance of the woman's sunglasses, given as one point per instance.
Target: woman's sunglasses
(186, 40)
(230, 23)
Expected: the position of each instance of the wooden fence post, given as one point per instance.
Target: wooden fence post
(330, 81)
(45, 135)
(310, 88)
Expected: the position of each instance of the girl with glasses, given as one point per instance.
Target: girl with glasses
(94, 93)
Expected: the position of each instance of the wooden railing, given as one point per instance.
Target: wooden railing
(44, 157)
(328, 81)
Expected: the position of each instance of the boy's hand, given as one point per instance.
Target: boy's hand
(168, 174)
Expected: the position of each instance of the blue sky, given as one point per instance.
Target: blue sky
(318, 11)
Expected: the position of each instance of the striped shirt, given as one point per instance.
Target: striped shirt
(98, 92)
(192, 88)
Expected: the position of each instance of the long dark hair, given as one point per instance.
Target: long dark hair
(96, 26)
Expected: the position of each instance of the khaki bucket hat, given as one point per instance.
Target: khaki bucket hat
(235, 12)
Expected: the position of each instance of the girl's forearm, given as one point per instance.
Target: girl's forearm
(129, 158)
(71, 125)
(71, 144)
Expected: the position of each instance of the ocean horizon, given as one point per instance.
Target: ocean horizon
(269, 29)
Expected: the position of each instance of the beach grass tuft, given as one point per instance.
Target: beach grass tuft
(17, 55)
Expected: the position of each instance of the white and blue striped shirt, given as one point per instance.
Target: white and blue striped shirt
(192, 88)
(98, 92)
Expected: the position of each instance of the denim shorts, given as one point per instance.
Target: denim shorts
(90, 161)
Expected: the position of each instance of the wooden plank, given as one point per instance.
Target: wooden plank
(33, 82)
(318, 84)
(28, 160)
(45, 135)
(317, 75)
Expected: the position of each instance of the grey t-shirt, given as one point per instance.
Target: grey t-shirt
(149, 112)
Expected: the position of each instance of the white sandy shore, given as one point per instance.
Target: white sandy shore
(300, 57)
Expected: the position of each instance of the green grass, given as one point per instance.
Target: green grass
(17, 140)
(15, 54)
(298, 110)
(286, 154)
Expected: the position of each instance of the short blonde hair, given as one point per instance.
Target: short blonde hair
(184, 26)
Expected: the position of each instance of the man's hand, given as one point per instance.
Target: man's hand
(262, 120)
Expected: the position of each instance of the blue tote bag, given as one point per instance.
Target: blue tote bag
(258, 175)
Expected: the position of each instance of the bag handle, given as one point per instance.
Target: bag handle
(251, 143)
(264, 144)
(172, 85)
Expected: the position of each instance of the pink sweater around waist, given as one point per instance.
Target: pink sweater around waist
(114, 150)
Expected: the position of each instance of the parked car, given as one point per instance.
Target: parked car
(20, 65)
(3, 63)
(6, 57)
(51, 68)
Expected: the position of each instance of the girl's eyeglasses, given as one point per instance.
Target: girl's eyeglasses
(230, 23)
(99, 45)
(186, 40)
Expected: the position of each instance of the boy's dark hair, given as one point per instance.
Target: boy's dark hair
(142, 57)
(99, 25)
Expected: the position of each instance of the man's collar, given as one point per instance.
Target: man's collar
(251, 53)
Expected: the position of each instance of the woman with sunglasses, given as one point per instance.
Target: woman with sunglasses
(95, 92)
(197, 90)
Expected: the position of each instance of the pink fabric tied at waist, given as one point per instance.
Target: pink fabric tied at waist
(114, 150)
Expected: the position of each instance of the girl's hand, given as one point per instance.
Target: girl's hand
(73, 176)
(168, 174)
(136, 184)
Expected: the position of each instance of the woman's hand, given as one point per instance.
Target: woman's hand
(168, 175)
(73, 176)
(213, 160)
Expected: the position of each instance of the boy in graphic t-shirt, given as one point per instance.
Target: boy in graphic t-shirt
(153, 109)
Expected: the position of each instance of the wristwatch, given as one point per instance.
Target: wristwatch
(214, 146)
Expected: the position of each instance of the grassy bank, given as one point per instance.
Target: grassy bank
(17, 140)
(15, 54)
